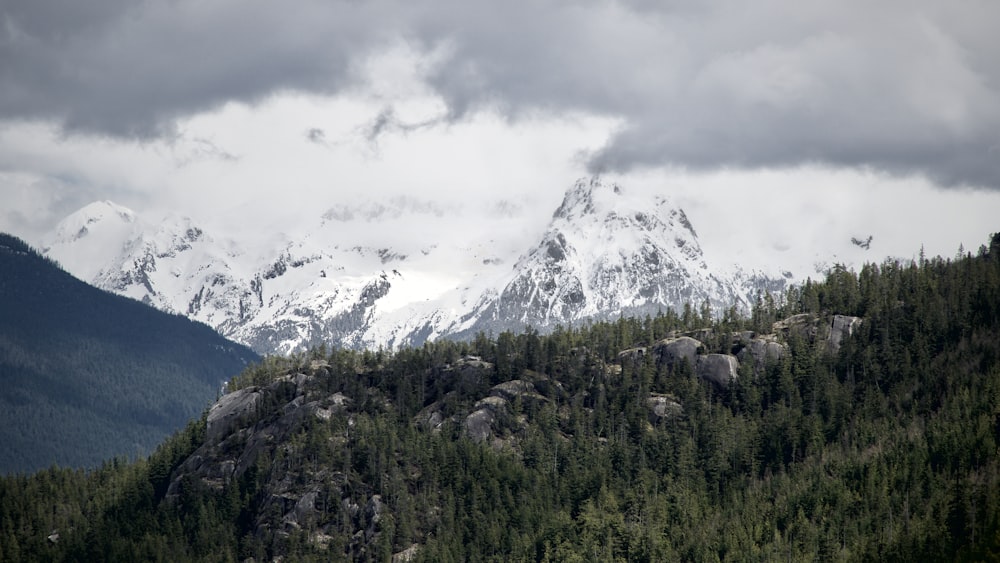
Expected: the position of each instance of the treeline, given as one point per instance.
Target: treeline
(886, 450)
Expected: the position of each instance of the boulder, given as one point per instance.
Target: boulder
(434, 421)
(302, 511)
(663, 407)
(672, 351)
(431, 417)
(515, 388)
(760, 351)
(479, 424)
(473, 362)
(718, 369)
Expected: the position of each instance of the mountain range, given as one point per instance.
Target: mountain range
(605, 253)
(855, 420)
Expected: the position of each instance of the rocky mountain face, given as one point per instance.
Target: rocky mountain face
(605, 253)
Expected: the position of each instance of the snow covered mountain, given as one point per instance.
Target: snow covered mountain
(608, 253)
(284, 296)
(605, 252)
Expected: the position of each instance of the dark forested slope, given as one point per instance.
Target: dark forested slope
(86, 375)
(856, 420)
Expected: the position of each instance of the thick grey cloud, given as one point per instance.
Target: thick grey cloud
(901, 86)
(131, 69)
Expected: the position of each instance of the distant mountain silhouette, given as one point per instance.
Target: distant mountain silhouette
(86, 375)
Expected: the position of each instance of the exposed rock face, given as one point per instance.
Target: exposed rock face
(230, 411)
(233, 441)
(841, 327)
(663, 407)
(809, 327)
(746, 346)
(493, 416)
(760, 351)
(471, 373)
(804, 326)
(672, 352)
(479, 423)
(633, 356)
(719, 369)
(472, 362)
(431, 418)
(373, 512)
(517, 389)
(407, 555)
(701, 334)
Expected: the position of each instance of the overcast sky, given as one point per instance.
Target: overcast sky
(777, 124)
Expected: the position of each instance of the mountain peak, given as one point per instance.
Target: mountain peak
(589, 196)
(91, 237)
(82, 221)
(607, 252)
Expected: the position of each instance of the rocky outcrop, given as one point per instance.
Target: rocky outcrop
(517, 389)
(804, 326)
(663, 407)
(479, 423)
(230, 411)
(239, 428)
(474, 362)
(634, 356)
(760, 351)
(431, 418)
(407, 555)
(745, 347)
(720, 370)
(672, 352)
(841, 327)
(266, 422)
(811, 328)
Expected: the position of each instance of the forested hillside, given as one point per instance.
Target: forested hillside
(859, 422)
(86, 375)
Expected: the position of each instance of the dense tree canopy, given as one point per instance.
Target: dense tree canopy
(86, 375)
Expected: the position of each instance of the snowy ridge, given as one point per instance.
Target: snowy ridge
(605, 252)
